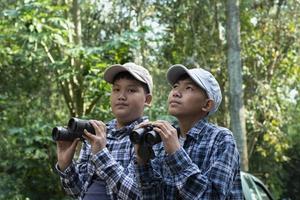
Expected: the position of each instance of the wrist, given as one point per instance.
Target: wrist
(62, 166)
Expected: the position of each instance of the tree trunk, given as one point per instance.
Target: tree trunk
(236, 105)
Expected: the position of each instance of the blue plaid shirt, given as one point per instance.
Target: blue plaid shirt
(114, 165)
(205, 167)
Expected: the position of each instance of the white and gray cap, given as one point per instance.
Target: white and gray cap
(202, 78)
(137, 71)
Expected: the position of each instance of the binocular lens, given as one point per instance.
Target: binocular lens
(135, 137)
(60, 133)
(72, 124)
(145, 135)
(152, 138)
(78, 125)
(74, 130)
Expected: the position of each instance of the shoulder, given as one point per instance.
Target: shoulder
(213, 128)
(219, 133)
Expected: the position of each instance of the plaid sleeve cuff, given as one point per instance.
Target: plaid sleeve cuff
(69, 171)
(178, 161)
(69, 179)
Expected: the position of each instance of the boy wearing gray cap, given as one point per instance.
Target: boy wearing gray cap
(202, 160)
(103, 168)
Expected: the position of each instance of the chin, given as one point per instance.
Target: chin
(121, 114)
(173, 112)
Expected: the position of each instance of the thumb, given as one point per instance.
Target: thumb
(74, 143)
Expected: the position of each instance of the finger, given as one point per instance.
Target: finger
(165, 130)
(161, 122)
(96, 127)
(143, 124)
(99, 123)
(87, 135)
(100, 128)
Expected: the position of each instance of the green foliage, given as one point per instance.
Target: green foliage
(28, 152)
(291, 170)
(271, 70)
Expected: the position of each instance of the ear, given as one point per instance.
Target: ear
(208, 105)
(148, 100)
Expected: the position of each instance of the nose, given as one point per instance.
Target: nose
(122, 96)
(176, 93)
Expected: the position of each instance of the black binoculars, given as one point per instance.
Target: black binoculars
(74, 130)
(145, 135)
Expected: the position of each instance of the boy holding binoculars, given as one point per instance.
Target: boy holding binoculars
(203, 162)
(103, 167)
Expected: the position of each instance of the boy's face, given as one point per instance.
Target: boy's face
(128, 100)
(186, 99)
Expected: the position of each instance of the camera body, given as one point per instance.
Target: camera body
(145, 135)
(74, 130)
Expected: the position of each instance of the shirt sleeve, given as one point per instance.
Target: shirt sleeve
(121, 181)
(70, 180)
(192, 182)
(74, 177)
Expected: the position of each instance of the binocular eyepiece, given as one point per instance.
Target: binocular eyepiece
(74, 130)
(145, 135)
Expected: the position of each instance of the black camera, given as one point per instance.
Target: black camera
(74, 130)
(145, 135)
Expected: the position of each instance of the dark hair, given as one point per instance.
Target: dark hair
(128, 76)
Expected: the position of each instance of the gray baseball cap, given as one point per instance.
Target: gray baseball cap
(202, 78)
(137, 71)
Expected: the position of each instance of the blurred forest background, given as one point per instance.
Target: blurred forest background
(53, 54)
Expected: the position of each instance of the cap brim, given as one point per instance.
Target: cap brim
(175, 71)
(112, 71)
(178, 70)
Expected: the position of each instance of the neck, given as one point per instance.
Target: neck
(122, 123)
(185, 124)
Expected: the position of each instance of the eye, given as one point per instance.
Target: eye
(115, 89)
(190, 88)
(175, 85)
(131, 90)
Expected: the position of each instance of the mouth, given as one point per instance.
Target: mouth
(172, 102)
(121, 104)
